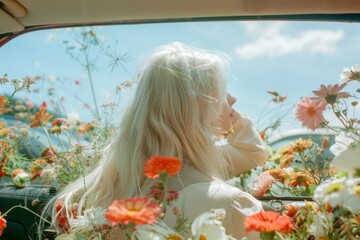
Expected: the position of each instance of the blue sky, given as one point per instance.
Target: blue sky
(293, 58)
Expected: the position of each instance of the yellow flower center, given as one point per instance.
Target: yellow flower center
(357, 190)
(173, 237)
(202, 237)
(333, 188)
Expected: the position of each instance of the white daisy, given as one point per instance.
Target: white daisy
(208, 226)
(333, 192)
(349, 74)
(347, 153)
(93, 217)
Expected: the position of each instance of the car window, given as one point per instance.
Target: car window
(87, 73)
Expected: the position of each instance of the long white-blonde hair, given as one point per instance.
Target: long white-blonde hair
(176, 105)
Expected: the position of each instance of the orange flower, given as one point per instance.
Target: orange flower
(279, 174)
(41, 119)
(2, 224)
(290, 210)
(36, 167)
(161, 164)
(137, 210)
(268, 221)
(300, 144)
(286, 150)
(299, 179)
(286, 160)
(3, 109)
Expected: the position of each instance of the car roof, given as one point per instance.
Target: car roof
(20, 16)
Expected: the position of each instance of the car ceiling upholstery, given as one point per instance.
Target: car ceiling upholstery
(16, 16)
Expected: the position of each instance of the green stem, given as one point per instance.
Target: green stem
(164, 179)
(25, 208)
(47, 136)
(92, 87)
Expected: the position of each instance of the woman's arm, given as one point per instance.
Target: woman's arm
(245, 149)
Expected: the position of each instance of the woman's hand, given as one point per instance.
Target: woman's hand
(228, 115)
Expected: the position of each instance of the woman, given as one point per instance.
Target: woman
(180, 104)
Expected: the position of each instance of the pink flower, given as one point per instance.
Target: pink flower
(331, 93)
(309, 112)
(262, 184)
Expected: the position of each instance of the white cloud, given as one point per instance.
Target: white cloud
(272, 42)
(37, 63)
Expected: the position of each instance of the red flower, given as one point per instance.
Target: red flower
(138, 210)
(268, 221)
(161, 164)
(61, 216)
(2, 224)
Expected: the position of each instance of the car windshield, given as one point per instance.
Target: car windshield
(86, 74)
(63, 93)
(290, 58)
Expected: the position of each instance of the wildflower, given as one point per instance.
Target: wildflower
(208, 225)
(332, 192)
(24, 132)
(61, 217)
(3, 102)
(286, 160)
(262, 184)
(20, 178)
(48, 175)
(2, 224)
(325, 142)
(156, 191)
(330, 93)
(36, 167)
(309, 112)
(3, 80)
(138, 210)
(161, 164)
(274, 93)
(59, 122)
(350, 74)
(290, 210)
(93, 217)
(300, 144)
(43, 105)
(86, 127)
(299, 179)
(279, 174)
(268, 221)
(41, 119)
(49, 154)
(288, 149)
